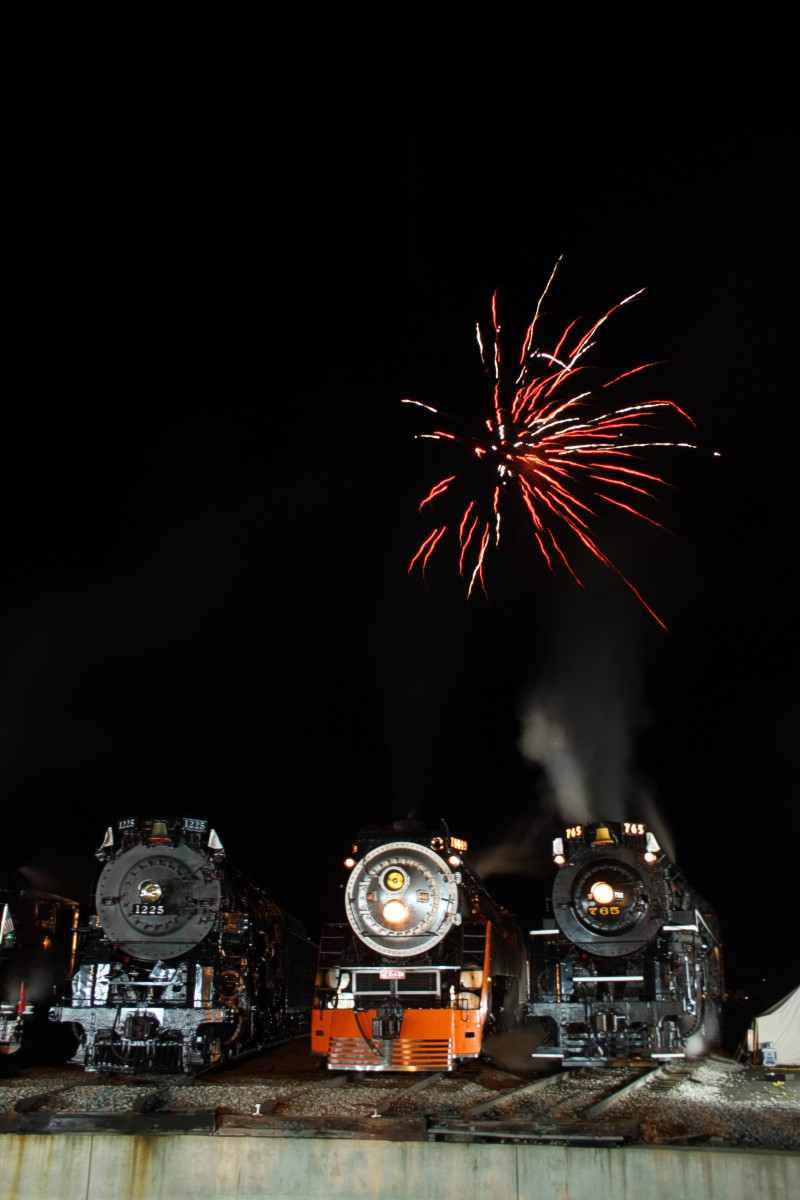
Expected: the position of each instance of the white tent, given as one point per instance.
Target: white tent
(776, 1033)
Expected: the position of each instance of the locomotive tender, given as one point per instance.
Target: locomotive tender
(629, 963)
(38, 943)
(427, 964)
(186, 963)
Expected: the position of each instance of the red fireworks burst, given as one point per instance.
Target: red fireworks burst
(556, 447)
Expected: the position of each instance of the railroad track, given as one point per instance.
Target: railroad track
(280, 1095)
(549, 1108)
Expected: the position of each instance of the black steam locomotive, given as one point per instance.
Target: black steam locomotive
(629, 963)
(186, 964)
(38, 942)
(427, 964)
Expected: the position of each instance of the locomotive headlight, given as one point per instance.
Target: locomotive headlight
(602, 893)
(150, 892)
(394, 880)
(394, 912)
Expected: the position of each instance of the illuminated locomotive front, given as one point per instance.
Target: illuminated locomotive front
(629, 964)
(426, 965)
(187, 963)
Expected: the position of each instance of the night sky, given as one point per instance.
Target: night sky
(234, 248)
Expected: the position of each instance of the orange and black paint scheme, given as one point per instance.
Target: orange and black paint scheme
(427, 963)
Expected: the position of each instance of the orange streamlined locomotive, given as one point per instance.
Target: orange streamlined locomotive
(427, 964)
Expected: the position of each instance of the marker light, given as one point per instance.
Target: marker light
(349, 862)
(454, 860)
(558, 852)
(394, 912)
(652, 850)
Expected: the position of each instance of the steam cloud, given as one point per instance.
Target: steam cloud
(578, 725)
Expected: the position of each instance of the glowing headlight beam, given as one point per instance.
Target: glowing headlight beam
(602, 893)
(395, 912)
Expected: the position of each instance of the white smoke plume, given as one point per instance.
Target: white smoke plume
(547, 741)
(578, 724)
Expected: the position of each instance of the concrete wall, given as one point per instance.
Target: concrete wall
(188, 1167)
